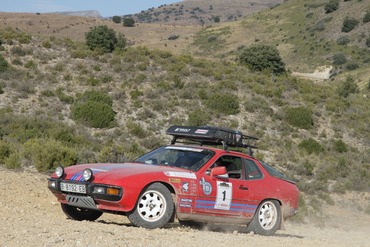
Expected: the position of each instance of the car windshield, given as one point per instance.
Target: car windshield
(190, 158)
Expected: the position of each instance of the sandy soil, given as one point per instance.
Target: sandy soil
(31, 216)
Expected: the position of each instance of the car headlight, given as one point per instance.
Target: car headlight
(59, 171)
(87, 174)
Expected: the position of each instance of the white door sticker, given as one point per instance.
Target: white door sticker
(224, 195)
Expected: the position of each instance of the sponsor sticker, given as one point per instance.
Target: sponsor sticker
(185, 187)
(181, 174)
(201, 131)
(174, 180)
(182, 130)
(206, 186)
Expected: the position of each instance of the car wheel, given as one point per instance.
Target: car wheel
(266, 219)
(79, 214)
(154, 207)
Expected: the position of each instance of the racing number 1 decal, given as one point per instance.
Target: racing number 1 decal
(224, 195)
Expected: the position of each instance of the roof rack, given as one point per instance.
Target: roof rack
(209, 135)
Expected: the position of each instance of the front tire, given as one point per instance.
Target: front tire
(266, 219)
(154, 207)
(79, 214)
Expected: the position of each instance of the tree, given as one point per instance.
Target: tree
(128, 22)
(349, 24)
(116, 19)
(101, 37)
(262, 57)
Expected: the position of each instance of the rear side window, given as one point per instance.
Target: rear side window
(253, 172)
(273, 172)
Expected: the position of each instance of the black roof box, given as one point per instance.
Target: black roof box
(209, 135)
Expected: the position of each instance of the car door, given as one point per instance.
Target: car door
(224, 195)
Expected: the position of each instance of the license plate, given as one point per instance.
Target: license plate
(77, 188)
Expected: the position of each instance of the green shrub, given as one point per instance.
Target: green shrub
(13, 161)
(46, 154)
(262, 57)
(368, 42)
(64, 97)
(112, 154)
(101, 38)
(198, 117)
(223, 103)
(339, 146)
(116, 19)
(3, 64)
(349, 24)
(339, 59)
(331, 6)
(344, 40)
(311, 146)
(5, 151)
(93, 114)
(96, 96)
(136, 129)
(128, 22)
(366, 17)
(347, 88)
(300, 117)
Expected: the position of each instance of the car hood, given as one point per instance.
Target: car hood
(107, 173)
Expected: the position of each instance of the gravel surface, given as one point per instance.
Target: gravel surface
(31, 216)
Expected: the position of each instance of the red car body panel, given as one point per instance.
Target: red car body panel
(197, 194)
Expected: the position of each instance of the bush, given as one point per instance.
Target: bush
(311, 146)
(331, 6)
(352, 66)
(198, 117)
(116, 19)
(95, 96)
(93, 114)
(101, 38)
(340, 146)
(5, 151)
(344, 40)
(339, 59)
(366, 18)
(13, 161)
(262, 57)
(112, 154)
(349, 24)
(128, 22)
(368, 42)
(46, 154)
(223, 103)
(347, 87)
(3, 64)
(299, 117)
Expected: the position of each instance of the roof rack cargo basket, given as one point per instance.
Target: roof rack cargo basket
(209, 135)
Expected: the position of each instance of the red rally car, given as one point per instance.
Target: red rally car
(195, 183)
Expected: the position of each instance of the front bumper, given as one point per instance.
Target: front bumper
(94, 191)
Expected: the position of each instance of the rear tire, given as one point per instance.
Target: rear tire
(154, 207)
(266, 219)
(79, 214)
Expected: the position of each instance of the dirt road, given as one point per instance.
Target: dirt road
(31, 216)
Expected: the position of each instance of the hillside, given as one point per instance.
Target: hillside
(202, 12)
(156, 82)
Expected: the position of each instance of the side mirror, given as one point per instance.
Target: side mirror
(216, 171)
